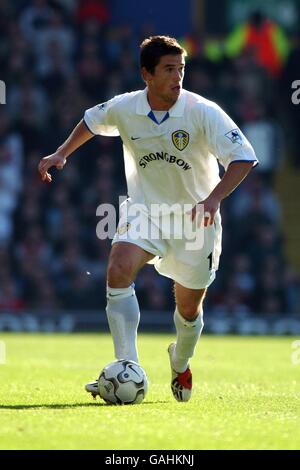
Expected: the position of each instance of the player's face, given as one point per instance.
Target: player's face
(166, 82)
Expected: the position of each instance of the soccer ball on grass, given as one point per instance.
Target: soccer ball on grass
(123, 382)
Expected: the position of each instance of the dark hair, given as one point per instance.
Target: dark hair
(153, 48)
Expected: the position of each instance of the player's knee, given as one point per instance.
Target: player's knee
(189, 306)
(189, 311)
(120, 273)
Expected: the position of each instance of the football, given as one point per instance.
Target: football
(123, 382)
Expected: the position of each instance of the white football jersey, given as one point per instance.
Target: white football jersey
(174, 161)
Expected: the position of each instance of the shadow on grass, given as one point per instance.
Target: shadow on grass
(50, 406)
(62, 406)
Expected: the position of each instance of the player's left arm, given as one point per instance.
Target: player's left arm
(236, 172)
(234, 152)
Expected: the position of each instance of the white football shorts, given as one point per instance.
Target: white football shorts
(190, 261)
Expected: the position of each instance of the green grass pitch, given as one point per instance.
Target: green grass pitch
(246, 395)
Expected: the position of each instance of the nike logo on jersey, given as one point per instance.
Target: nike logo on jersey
(134, 138)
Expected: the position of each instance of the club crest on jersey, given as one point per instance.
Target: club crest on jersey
(234, 136)
(180, 139)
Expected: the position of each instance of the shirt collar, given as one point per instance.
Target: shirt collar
(143, 107)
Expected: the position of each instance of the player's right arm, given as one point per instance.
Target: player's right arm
(99, 120)
(78, 136)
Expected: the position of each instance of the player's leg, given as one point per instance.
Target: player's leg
(123, 313)
(188, 319)
(193, 271)
(122, 309)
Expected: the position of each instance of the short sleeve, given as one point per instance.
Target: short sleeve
(224, 138)
(100, 119)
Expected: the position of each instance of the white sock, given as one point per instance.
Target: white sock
(123, 316)
(188, 333)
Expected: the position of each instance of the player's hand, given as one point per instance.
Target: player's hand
(209, 207)
(56, 160)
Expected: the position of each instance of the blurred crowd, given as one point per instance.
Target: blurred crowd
(60, 58)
